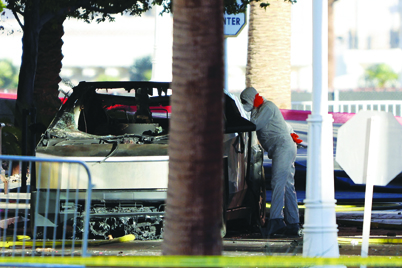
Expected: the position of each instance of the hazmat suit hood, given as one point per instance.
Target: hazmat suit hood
(247, 98)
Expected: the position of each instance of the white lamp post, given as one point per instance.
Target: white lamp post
(320, 229)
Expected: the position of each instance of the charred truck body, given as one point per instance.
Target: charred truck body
(121, 131)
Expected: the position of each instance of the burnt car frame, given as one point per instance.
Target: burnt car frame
(123, 138)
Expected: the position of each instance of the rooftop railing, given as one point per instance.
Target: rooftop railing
(393, 106)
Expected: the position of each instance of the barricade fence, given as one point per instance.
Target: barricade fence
(44, 207)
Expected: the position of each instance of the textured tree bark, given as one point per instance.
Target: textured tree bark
(46, 89)
(194, 201)
(268, 67)
(28, 61)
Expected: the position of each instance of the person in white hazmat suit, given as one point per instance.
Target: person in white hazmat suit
(274, 134)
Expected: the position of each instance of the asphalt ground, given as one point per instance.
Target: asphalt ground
(385, 238)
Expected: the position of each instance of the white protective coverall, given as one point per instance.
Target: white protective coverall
(273, 134)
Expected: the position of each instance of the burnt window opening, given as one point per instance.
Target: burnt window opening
(102, 117)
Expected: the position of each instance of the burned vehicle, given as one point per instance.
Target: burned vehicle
(121, 131)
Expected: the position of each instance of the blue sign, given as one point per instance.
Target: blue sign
(234, 23)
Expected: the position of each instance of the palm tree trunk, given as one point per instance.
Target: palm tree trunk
(194, 201)
(48, 70)
(268, 59)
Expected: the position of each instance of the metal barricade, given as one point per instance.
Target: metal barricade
(44, 207)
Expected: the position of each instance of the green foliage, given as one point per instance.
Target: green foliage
(147, 75)
(141, 70)
(102, 10)
(87, 10)
(2, 6)
(11, 138)
(105, 77)
(231, 6)
(380, 75)
(8, 75)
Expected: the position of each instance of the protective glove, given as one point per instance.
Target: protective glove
(258, 100)
(295, 138)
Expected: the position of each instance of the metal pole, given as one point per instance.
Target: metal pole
(320, 229)
(371, 158)
(156, 57)
(1, 144)
(159, 60)
(24, 149)
(226, 75)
